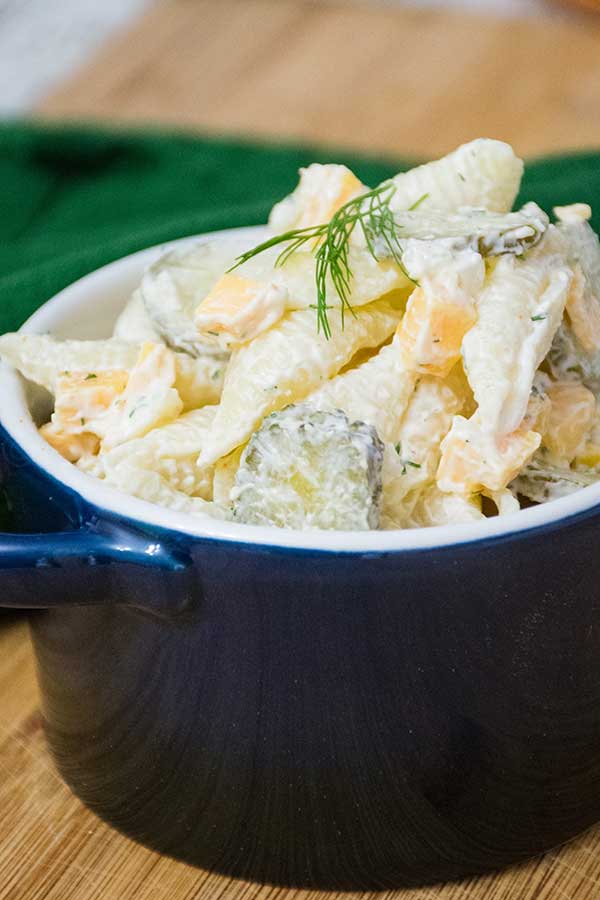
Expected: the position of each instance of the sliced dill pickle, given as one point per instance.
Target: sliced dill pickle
(488, 233)
(310, 469)
(541, 481)
(173, 287)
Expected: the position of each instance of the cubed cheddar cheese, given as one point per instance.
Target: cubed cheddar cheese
(322, 190)
(572, 414)
(322, 203)
(72, 446)
(475, 460)
(84, 397)
(240, 308)
(430, 334)
(81, 408)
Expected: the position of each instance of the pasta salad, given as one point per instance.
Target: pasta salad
(403, 356)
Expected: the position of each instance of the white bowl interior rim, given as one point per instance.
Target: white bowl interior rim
(16, 419)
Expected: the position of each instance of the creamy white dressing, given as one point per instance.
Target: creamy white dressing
(508, 292)
(519, 311)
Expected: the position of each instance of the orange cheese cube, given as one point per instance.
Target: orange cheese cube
(82, 397)
(71, 446)
(473, 460)
(320, 193)
(431, 332)
(323, 201)
(572, 413)
(240, 307)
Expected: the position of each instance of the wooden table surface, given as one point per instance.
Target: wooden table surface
(398, 81)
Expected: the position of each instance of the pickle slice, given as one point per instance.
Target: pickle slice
(541, 481)
(173, 287)
(487, 233)
(310, 469)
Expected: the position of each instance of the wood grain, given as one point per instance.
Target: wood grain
(377, 79)
(52, 848)
(399, 81)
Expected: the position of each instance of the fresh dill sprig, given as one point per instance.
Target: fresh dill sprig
(331, 244)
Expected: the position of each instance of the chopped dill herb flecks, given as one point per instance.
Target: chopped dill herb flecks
(91, 375)
(418, 202)
(82, 421)
(331, 245)
(405, 462)
(538, 318)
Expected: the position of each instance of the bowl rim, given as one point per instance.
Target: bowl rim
(16, 419)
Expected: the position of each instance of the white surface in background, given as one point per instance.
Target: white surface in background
(43, 41)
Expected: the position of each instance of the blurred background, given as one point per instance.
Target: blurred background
(403, 77)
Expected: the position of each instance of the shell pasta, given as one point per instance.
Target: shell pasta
(403, 356)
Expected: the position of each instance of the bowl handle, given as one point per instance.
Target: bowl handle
(91, 566)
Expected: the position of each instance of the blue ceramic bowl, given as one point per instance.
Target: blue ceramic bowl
(340, 710)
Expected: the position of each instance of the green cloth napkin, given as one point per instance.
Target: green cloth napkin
(74, 198)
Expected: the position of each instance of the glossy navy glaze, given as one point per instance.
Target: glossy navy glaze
(340, 720)
(328, 717)
(65, 552)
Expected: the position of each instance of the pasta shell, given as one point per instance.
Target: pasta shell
(283, 365)
(483, 173)
(519, 310)
(376, 392)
